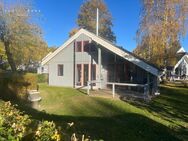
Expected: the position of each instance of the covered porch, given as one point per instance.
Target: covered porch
(119, 76)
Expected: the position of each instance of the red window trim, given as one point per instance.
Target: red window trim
(79, 49)
(85, 47)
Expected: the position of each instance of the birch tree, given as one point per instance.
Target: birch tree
(21, 38)
(163, 23)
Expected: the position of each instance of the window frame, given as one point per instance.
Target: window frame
(79, 73)
(78, 49)
(86, 47)
(59, 72)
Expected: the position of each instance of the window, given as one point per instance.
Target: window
(60, 70)
(86, 74)
(78, 46)
(93, 72)
(42, 69)
(79, 74)
(86, 46)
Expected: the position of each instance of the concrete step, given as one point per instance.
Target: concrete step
(33, 92)
(34, 97)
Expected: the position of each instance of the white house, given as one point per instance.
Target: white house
(86, 57)
(43, 69)
(180, 70)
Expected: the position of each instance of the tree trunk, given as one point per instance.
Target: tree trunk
(10, 57)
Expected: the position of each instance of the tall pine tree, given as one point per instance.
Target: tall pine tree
(87, 19)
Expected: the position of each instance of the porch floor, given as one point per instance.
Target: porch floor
(104, 94)
(119, 95)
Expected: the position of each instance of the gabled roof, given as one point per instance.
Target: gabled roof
(185, 57)
(109, 46)
(181, 50)
(46, 56)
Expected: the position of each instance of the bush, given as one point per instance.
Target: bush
(13, 123)
(42, 78)
(17, 126)
(15, 85)
(47, 131)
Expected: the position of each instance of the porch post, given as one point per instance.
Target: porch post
(90, 62)
(113, 90)
(148, 82)
(99, 63)
(88, 87)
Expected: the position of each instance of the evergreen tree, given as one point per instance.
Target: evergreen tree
(87, 19)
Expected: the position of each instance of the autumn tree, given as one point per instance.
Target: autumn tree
(163, 23)
(2, 52)
(73, 31)
(87, 19)
(21, 38)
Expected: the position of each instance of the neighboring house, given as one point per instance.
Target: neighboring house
(180, 70)
(43, 69)
(86, 57)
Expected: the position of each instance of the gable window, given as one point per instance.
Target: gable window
(79, 46)
(86, 46)
(60, 70)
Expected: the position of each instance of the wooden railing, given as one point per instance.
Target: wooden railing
(89, 83)
(145, 86)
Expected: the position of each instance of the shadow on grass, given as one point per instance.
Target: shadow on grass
(126, 126)
(171, 105)
(83, 91)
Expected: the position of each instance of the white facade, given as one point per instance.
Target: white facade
(180, 70)
(71, 68)
(42, 69)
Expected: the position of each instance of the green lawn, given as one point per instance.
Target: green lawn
(165, 118)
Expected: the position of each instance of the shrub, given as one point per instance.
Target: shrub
(13, 123)
(47, 131)
(42, 78)
(31, 79)
(16, 126)
(14, 85)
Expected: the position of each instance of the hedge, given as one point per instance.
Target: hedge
(42, 78)
(15, 85)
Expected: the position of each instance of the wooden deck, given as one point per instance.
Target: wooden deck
(121, 95)
(104, 94)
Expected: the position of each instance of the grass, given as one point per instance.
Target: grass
(165, 118)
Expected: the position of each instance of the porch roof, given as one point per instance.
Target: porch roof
(109, 46)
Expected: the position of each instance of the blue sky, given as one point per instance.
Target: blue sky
(59, 17)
